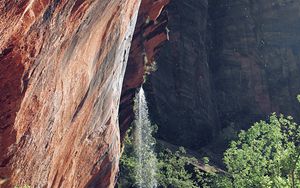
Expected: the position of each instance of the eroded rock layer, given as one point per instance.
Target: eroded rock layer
(62, 65)
(150, 33)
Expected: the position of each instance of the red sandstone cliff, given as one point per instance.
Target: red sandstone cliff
(150, 33)
(62, 64)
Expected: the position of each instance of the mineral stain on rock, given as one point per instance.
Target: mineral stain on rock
(62, 65)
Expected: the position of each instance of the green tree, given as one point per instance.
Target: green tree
(128, 162)
(177, 170)
(266, 155)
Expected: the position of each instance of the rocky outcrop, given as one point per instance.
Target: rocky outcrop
(228, 63)
(62, 64)
(150, 33)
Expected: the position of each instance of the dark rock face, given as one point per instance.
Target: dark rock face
(180, 90)
(228, 63)
(255, 59)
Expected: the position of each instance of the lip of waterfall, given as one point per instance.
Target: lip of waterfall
(145, 171)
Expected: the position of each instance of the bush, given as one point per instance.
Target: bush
(128, 162)
(267, 155)
(177, 170)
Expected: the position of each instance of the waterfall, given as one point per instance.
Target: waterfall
(144, 143)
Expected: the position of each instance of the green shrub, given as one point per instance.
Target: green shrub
(177, 170)
(267, 155)
(128, 162)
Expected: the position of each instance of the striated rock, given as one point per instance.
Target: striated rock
(62, 64)
(179, 92)
(228, 63)
(150, 33)
(254, 59)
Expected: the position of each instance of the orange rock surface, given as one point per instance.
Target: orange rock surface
(150, 33)
(62, 65)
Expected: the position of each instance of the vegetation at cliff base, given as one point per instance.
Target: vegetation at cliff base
(175, 169)
(266, 155)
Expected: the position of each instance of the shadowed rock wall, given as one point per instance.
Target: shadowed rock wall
(179, 92)
(228, 63)
(255, 59)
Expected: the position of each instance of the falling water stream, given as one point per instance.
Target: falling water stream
(145, 171)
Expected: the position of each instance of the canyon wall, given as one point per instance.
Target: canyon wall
(62, 65)
(255, 59)
(180, 91)
(149, 36)
(227, 64)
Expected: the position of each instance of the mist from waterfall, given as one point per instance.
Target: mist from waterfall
(144, 143)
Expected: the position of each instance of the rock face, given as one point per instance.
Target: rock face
(150, 34)
(255, 59)
(62, 65)
(228, 63)
(179, 92)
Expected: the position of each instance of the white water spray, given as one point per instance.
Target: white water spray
(144, 143)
